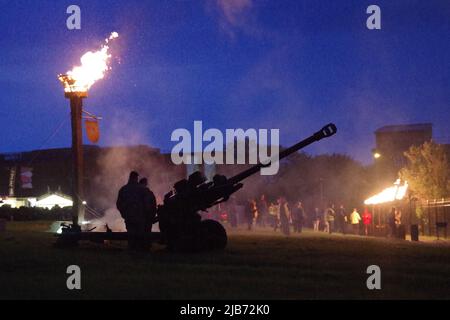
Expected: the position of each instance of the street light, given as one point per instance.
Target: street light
(376, 153)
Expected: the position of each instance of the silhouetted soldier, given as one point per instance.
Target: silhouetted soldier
(183, 205)
(130, 203)
(149, 205)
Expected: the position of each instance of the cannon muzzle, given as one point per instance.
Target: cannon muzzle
(326, 132)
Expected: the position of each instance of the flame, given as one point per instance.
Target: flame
(396, 192)
(93, 68)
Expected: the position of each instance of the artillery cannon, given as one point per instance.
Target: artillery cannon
(180, 223)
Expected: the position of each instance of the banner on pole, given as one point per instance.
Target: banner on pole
(12, 181)
(92, 130)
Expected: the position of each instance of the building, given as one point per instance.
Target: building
(393, 140)
(35, 174)
(27, 176)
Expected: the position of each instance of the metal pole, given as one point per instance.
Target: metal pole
(429, 218)
(76, 108)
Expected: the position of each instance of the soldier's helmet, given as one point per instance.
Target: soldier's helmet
(134, 176)
(219, 179)
(143, 182)
(180, 186)
(196, 178)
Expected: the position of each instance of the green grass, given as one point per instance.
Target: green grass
(260, 265)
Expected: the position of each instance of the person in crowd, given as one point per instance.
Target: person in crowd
(341, 220)
(355, 219)
(131, 205)
(285, 216)
(324, 221)
(367, 221)
(274, 211)
(231, 211)
(398, 217)
(330, 217)
(251, 213)
(316, 219)
(391, 223)
(298, 217)
(400, 231)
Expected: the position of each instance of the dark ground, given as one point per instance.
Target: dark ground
(259, 265)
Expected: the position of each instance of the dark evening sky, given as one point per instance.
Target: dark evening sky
(294, 65)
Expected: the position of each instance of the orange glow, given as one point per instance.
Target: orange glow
(396, 192)
(93, 68)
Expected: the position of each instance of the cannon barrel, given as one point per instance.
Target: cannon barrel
(327, 131)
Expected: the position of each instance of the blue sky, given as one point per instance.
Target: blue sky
(293, 65)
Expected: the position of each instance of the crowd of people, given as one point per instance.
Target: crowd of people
(292, 217)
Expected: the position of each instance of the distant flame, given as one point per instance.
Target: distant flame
(396, 192)
(93, 68)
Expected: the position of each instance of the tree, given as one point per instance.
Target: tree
(427, 171)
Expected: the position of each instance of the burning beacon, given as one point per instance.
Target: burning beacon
(76, 84)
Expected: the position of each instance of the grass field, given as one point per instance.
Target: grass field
(260, 265)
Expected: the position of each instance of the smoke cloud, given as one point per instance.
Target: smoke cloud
(127, 153)
(236, 16)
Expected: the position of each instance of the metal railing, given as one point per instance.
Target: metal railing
(435, 216)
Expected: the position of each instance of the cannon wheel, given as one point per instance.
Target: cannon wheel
(213, 235)
(208, 235)
(66, 242)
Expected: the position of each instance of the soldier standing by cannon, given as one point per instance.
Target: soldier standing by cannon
(131, 205)
(149, 205)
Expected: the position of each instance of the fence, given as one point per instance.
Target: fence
(432, 216)
(435, 216)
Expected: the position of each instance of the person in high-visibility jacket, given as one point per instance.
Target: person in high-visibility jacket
(355, 218)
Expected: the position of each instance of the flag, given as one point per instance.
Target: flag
(92, 130)
(26, 177)
(12, 181)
